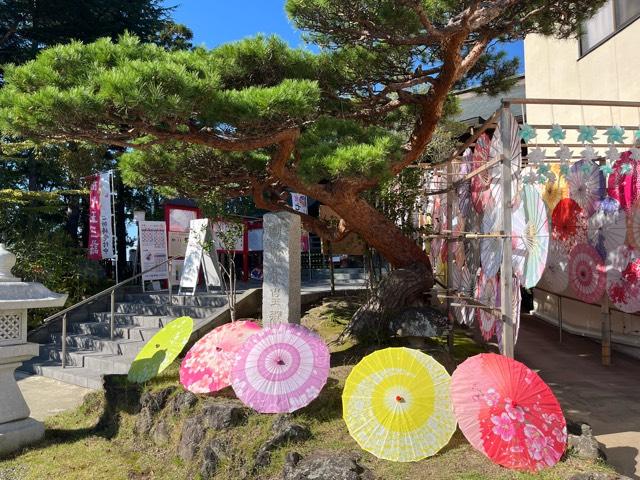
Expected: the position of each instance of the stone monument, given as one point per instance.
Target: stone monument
(16, 427)
(281, 268)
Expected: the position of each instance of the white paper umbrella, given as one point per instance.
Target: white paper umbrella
(487, 292)
(513, 152)
(556, 275)
(530, 237)
(623, 278)
(457, 246)
(516, 301)
(587, 275)
(586, 185)
(463, 190)
(472, 246)
(490, 248)
(463, 282)
(607, 228)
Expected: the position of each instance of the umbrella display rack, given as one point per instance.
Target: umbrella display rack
(445, 180)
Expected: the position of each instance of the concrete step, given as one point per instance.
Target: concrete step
(74, 375)
(99, 344)
(163, 310)
(198, 300)
(102, 329)
(131, 319)
(105, 363)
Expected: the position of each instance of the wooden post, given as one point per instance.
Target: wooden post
(450, 240)
(506, 273)
(605, 319)
(333, 279)
(560, 316)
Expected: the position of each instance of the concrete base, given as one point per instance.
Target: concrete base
(15, 435)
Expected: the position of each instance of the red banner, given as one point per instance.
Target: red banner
(94, 247)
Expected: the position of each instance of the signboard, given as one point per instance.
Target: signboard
(299, 202)
(178, 221)
(195, 257)
(100, 244)
(153, 249)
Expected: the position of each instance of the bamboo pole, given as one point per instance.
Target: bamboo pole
(450, 316)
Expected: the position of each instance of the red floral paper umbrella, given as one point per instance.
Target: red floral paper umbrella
(480, 194)
(487, 293)
(623, 278)
(568, 223)
(207, 366)
(624, 182)
(587, 276)
(507, 412)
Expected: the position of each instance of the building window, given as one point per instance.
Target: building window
(612, 17)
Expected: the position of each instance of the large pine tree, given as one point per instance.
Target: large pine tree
(258, 118)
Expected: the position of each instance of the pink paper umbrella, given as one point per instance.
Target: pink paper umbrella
(480, 194)
(487, 293)
(207, 366)
(587, 275)
(623, 278)
(624, 182)
(281, 369)
(586, 185)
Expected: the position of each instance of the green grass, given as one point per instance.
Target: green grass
(75, 448)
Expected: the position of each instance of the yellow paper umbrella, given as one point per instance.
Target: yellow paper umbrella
(553, 192)
(397, 405)
(162, 349)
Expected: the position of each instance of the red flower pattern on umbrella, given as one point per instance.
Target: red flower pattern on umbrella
(569, 223)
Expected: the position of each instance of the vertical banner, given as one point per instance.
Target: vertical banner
(94, 245)
(299, 202)
(106, 230)
(153, 249)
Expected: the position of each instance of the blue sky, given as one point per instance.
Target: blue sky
(218, 21)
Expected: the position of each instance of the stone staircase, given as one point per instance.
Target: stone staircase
(90, 351)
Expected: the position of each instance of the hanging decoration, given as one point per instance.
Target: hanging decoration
(487, 293)
(587, 134)
(607, 227)
(557, 133)
(556, 273)
(586, 185)
(463, 189)
(480, 194)
(527, 133)
(633, 225)
(623, 278)
(587, 276)
(516, 301)
(490, 246)
(554, 191)
(463, 283)
(624, 182)
(568, 223)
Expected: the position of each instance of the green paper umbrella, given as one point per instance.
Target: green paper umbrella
(162, 349)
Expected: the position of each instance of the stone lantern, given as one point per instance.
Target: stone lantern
(16, 297)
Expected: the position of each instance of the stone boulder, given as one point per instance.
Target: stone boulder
(212, 453)
(285, 431)
(580, 439)
(192, 435)
(150, 404)
(222, 414)
(182, 402)
(418, 322)
(161, 433)
(325, 466)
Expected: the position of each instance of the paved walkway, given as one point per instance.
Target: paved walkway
(47, 397)
(607, 398)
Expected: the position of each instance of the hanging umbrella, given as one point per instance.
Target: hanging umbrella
(556, 273)
(512, 152)
(568, 224)
(480, 194)
(624, 182)
(487, 293)
(280, 369)
(586, 273)
(508, 413)
(607, 227)
(396, 405)
(161, 350)
(586, 185)
(456, 246)
(553, 192)
(490, 247)
(516, 301)
(463, 189)
(530, 237)
(633, 225)
(207, 366)
(623, 278)
(463, 282)
(471, 245)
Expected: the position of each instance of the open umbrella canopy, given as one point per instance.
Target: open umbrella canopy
(587, 276)
(480, 183)
(568, 224)
(553, 192)
(161, 350)
(280, 369)
(206, 368)
(623, 278)
(396, 404)
(607, 227)
(463, 189)
(487, 293)
(633, 225)
(586, 185)
(516, 301)
(507, 412)
(513, 152)
(463, 282)
(491, 247)
(530, 237)
(555, 278)
(624, 183)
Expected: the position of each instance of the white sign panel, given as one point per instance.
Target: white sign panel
(106, 231)
(299, 202)
(196, 256)
(153, 249)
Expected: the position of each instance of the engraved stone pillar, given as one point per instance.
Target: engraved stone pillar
(281, 268)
